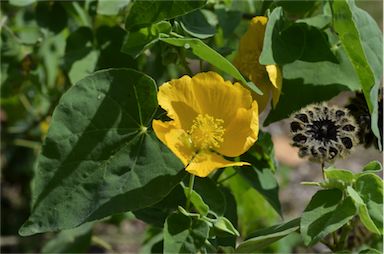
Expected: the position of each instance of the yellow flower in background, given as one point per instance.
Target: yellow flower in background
(211, 118)
(266, 77)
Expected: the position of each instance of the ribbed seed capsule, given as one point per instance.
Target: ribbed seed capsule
(323, 133)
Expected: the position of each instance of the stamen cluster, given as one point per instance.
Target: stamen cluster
(206, 132)
(323, 132)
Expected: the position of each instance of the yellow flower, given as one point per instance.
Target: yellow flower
(266, 77)
(211, 118)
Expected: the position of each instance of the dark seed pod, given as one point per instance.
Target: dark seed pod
(323, 133)
(359, 109)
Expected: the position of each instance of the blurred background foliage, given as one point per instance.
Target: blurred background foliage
(47, 46)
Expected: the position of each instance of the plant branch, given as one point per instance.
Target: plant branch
(190, 188)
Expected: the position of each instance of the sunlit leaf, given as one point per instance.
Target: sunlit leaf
(264, 237)
(206, 53)
(325, 213)
(100, 156)
(370, 189)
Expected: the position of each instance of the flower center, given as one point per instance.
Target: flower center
(207, 132)
(324, 130)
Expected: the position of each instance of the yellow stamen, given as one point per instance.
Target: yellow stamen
(206, 132)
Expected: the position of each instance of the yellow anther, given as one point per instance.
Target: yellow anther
(207, 132)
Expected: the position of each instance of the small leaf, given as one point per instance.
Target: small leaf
(183, 234)
(264, 237)
(325, 213)
(363, 211)
(338, 178)
(196, 201)
(206, 53)
(223, 224)
(370, 189)
(196, 24)
(144, 13)
(75, 240)
(137, 42)
(373, 167)
(100, 156)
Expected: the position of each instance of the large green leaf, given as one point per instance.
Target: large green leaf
(325, 72)
(249, 203)
(231, 215)
(76, 240)
(260, 173)
(144, 13)
(363, 41)
(370, 189)
(158, 213)
(183, 234)
(100, 156)
(206, 53)
(302, 94)
(264, 237)
(285, 42)
(325, 213)
(211, 195)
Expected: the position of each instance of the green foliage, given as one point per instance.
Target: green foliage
(260, 174)
(264, 237)
(149, 12)
(141, 171)
(326, 212)
(137, 42)
(90, 70)
(76, 240)
(184, 234)
(204, 52)
(363, 42)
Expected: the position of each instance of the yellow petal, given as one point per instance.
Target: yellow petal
(241, 133)
(205, 93)
(204, 163)
(247, 59)
(276, 78)
(177, 98)
(175, 139)
(250, 47)
(262, 100)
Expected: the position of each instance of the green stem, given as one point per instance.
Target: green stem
(322, 170)
(228, 177)
(343, 237)
(190, 188)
